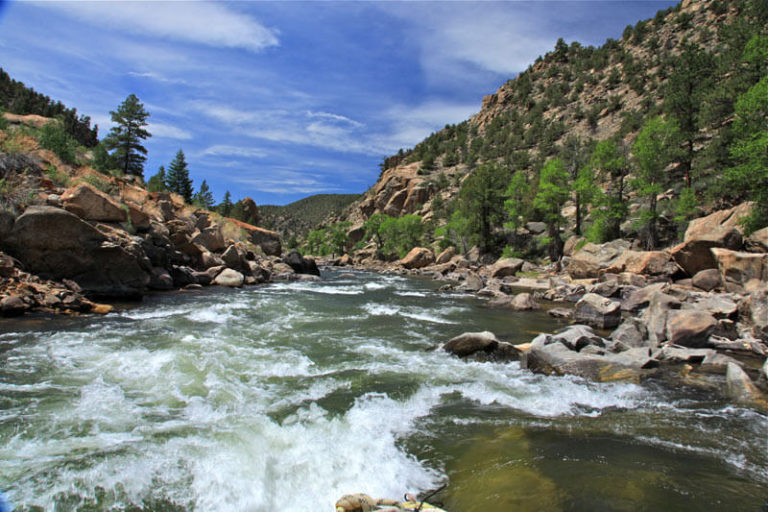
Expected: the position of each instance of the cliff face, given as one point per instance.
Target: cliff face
(573, 92)
(107, 236)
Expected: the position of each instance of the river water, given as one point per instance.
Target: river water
(287, 396)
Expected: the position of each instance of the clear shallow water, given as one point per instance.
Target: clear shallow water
(287, 396)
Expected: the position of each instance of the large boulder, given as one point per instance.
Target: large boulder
(58, 244)
(741, 389)
(445, 256)
(482, 346)
(506, 267)
(210, 237)
(269, 241)
(597, 311)
(631, 333)
(755, 312)
(655, 317)
(707, 280)
(592, 258)
(650, 263)
(90, 203)
(720, 229)
(418, 257)
(689, 328)
(738, 268)
(301, 264)
(229, 277)
(557, 359)
(524, 302)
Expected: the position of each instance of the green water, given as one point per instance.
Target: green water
(287, 396)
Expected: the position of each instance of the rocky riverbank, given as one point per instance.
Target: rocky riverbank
(695, 314)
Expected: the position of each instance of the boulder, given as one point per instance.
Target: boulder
(597, 311)
(757, 241)
(563, 313)
(592, 258)
(470, 342)
(756, 313)
(637, 299)
(670, 354)
(160, 279)
(689, 328)
(506, 267)
(650, 263)
(472, 283)
(740, 267)
(524, 302)
(577, 337)
(655, 317)
(707, 280)
(631, 333)
(301, 264)
(557, 359)
(418, 257)
(570, 245)
(13, 305)
(445, 256)
(720, 306)
(269, 241)
(235, 257)
(741, 389)
(211, 238)
(535, 227)
(56, 243)
(229, 277)
(90, 203)
(721, 229)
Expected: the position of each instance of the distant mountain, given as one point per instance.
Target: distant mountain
(295, 220)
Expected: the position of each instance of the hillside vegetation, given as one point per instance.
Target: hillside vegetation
(296, 220)
(631, 139)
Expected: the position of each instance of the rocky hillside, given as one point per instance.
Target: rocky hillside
(685, 63)
(295, 220)
(69, 233)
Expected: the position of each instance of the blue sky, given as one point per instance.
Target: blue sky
(280, 100)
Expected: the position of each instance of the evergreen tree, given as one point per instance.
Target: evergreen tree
(481, 202)
(550, 199)
(102, 161)
(653, 150)
(225, 207)
(203, 198)
(610, 160)
(125, 138)
(157, 182)
(516, 204)
(575, 155)
(177, 177)
(686, 88)
(750, 152)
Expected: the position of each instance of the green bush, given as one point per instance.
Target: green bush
(57, 177)
(54, 137)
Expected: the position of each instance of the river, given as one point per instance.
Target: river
(287, 396)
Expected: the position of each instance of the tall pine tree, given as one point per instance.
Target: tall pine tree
(203, 198)
(177, 177)
(125, 138)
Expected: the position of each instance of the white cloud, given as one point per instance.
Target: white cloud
(225, 150)
(287, 182)
(411, 124)
(208, 23)
(157, 77)
(456, 39)
(334, 117)
(168, 131)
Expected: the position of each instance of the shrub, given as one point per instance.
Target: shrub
(54, 137)
(57, 177)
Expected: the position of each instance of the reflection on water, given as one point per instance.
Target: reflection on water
(287, 396)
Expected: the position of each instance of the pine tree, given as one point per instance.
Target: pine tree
(552, 195)
(125, 138)
(517, 204)
(177, 177)
(750, 152)
(225, 206)
(611, 161)
(203, 198)
(481, 201)
(157, 182)
(653, 150)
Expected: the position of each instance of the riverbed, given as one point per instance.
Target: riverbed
(289, 395)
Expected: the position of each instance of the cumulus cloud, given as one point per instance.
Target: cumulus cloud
(207, 23)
